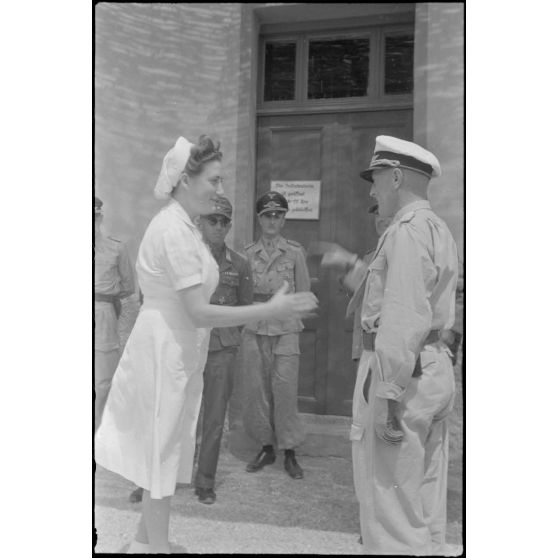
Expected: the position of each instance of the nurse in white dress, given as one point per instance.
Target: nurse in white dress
(148, 429)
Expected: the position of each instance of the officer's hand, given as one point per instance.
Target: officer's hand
(339, 258)
(390, 431)
(295, 305)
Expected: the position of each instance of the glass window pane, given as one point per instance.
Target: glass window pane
(399, 64)
(338, 68)
(279, 75)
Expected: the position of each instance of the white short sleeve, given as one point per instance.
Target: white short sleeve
(181, 257)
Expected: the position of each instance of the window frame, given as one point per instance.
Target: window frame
(261, 87)
(392, 31)
(375, 98)
(306, 65)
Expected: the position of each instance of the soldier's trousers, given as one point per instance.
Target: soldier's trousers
(217, 389)
(402, 488)
(106, 355)
(271, 404)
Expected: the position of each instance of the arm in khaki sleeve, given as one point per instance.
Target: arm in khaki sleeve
(406, 316)
(126, 272)
(246, 285)
(302, 277)
(354, 277)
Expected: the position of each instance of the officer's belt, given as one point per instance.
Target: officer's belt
(369, 344)
(260, 297)
(369, 339)
(104, 298)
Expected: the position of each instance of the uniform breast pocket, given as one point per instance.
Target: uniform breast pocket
(378, 268)
(378, 264)
(258, 267)
(286, 269)
(231, 280)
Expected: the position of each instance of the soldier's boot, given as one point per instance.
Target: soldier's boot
(291, 466)
(265, 457)
(136, 496)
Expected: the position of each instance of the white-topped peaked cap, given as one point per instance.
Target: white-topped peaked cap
(395, 152)
(173, 165)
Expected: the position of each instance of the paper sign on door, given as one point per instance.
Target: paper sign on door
(303, 197)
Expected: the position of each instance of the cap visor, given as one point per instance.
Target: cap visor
(367, 174)
(272, 210)
(219, 213)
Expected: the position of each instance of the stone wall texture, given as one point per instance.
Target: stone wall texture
(161, 71)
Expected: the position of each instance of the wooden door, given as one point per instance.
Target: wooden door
(332, 148)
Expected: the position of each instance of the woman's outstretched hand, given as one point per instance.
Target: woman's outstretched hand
(294, 305)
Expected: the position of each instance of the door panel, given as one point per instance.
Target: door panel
(332, 148)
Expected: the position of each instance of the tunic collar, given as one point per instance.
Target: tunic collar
(223, 257)
(420, 204)
(281, 244)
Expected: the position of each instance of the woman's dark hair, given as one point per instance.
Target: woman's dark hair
(205, 150)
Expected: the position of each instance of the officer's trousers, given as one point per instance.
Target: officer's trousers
(106, 354)
(217, 389)
(402, 489)
(271, 404)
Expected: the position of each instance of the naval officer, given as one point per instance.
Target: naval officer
(405, 385)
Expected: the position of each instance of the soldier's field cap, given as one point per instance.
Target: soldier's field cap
(97, 206)
(271, 201)
(394, 152)
(223, 207)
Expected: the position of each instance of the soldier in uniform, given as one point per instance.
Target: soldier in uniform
(405, 385)
(114, 280)
(271, 348)
(235, 288)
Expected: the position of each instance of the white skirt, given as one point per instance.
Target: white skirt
(148, 430)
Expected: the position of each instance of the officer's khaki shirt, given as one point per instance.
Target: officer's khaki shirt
(410, 290)
(357, 275)
(113, 271)
(287, 263)
(235, 288)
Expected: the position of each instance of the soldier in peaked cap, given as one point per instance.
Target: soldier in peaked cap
(405, 386)
(271, 347)
(114, 280)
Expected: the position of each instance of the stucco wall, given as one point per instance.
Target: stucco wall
(439, 104)
(164, 70)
